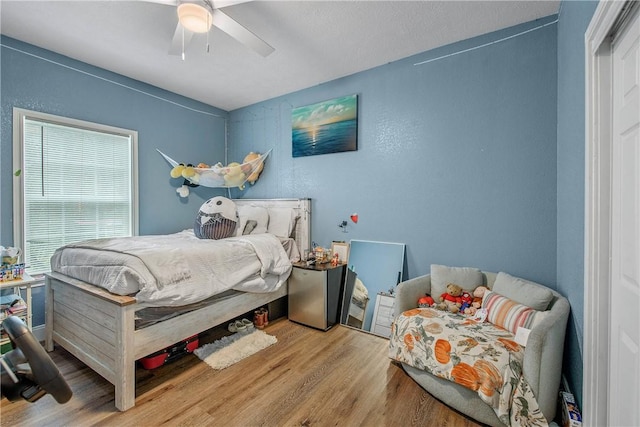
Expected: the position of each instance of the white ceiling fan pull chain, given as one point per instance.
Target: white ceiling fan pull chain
(183, 43)
(208, 26)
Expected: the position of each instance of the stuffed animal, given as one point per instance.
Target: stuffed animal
(197, 171)
(191, 178)
(478, 293)
(466, 301)
(253, 176)
(176, 172)
(476, 301)
(216, 219)
(470, 311)
(188, 172)
(466, 298)
(234, 176)
(464, 307)
(426, 301)
(451, 300)
(183, 190)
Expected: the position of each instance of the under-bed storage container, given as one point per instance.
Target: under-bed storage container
(170, 354)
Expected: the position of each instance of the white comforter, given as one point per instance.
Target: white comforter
(176, 269)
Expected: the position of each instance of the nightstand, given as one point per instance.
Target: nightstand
(314, 294)
(26, 281)
(383, 315)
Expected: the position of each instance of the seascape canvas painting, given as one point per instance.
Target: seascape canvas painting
(326, 127)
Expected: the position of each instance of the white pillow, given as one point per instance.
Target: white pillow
(281, 221)
(257, 213)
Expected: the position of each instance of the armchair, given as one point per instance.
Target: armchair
(542, 364)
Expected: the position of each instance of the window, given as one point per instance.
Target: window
(78, 181)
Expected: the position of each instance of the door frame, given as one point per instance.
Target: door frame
(598, 181)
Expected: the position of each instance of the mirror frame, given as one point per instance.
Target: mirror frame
(372, 273)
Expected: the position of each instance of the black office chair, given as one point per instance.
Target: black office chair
(27, 371)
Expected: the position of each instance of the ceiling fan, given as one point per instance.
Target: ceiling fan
(198, 17)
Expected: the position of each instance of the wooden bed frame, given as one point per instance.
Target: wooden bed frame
(98, 327)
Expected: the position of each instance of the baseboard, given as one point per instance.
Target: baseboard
(38, 333)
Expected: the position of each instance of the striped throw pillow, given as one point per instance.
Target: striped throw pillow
(213, 226)
(508, 314)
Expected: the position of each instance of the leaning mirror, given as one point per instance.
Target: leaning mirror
(374, 269)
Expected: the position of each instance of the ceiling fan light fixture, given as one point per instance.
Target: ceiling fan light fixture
(194, 17)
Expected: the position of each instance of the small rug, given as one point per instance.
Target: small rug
(233, 348)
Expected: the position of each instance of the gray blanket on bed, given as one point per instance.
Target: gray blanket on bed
(176, 269)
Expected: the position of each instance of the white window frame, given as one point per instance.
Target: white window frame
(19, 116)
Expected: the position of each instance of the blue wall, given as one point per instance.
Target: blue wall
(456, 157)
(472, 159)
(574, 20)
(184, 129)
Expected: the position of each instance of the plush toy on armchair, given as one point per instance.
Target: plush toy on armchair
(476, 301)
(451, 300)
(426, 301)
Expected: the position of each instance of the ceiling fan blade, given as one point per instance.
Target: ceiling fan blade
(217, 4)
(176, 42)
(167, 2)
(240, 33)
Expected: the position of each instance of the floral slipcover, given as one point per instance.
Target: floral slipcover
(479, 356)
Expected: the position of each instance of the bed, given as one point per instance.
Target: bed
(99, 327)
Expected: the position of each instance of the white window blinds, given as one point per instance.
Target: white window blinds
(78, 183)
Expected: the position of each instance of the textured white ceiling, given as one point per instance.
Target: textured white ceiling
(314, 41)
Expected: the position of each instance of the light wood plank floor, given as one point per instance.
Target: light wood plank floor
(341, 377)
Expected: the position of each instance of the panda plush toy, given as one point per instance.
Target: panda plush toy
(216, 219)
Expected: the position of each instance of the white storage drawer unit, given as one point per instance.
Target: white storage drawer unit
(383, 315)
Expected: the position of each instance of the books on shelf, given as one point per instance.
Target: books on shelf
(12, 305)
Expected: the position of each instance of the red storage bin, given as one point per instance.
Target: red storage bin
(170, 353)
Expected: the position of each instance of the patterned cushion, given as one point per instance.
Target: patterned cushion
(213, 227)
(508, 314)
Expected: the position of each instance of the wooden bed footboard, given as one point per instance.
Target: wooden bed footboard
(98, 328)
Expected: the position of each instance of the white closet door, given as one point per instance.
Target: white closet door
(624, 380)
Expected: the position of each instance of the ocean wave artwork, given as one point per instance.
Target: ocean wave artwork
(326, 127)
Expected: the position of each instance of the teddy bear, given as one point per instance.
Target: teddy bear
(476, 301)
(451, 300)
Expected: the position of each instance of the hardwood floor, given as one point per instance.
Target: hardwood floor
(341, 377)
